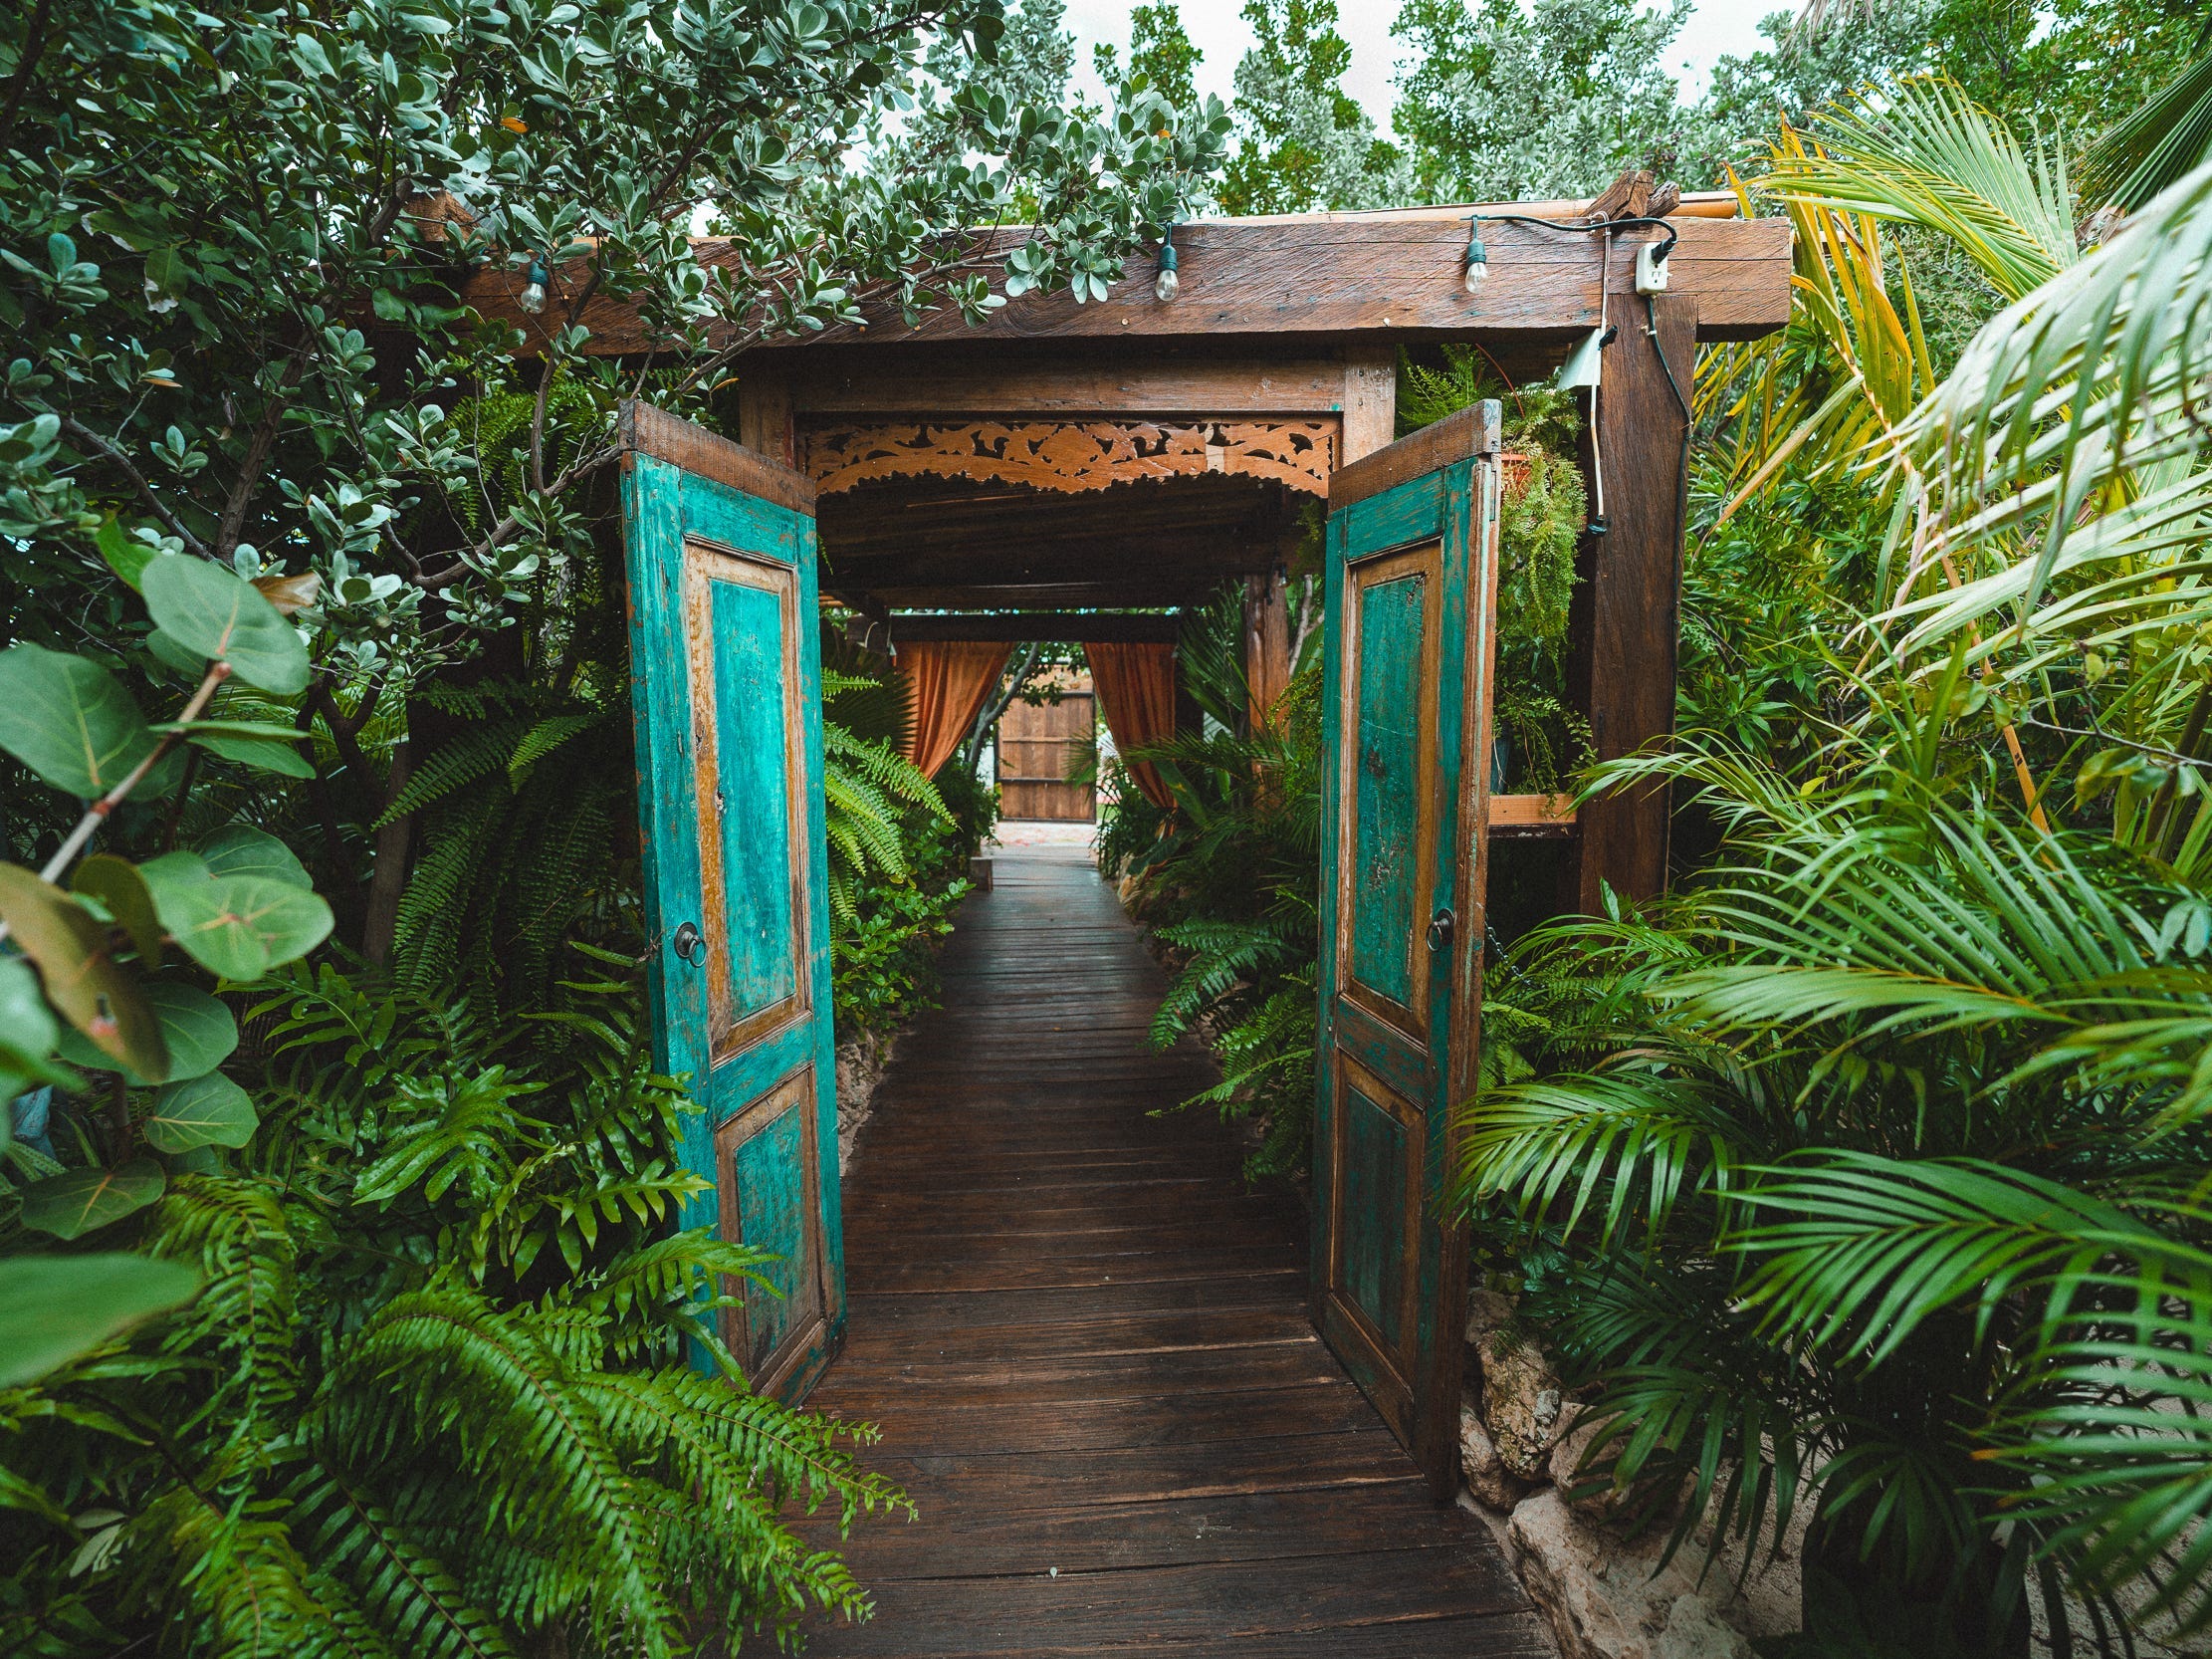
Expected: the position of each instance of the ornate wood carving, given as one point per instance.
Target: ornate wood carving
(1070, 455)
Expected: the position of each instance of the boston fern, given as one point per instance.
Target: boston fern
(434, 1398)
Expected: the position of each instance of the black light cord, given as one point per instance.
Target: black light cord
(1650, 312)
(1667, 225)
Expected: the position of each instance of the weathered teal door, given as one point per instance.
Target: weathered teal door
(726, 665)
(1412, 586)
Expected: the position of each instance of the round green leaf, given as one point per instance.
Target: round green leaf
(273, 753)
(240, 850)
(81, 980)
(68, 719)
(218, 613)
(176, 653)
(115, 882)
(238, 925)
(206, 1112)
(198, 1030)
(55, 1307)
(72, 1204)
(27, 1025)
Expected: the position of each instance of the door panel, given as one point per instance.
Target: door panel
(1387, 782)
(725, 691)
(1410, 638)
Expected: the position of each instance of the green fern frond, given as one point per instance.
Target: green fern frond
(475, 753)
(542, 739)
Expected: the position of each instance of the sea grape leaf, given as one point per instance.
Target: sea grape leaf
(237, 926)
(218, 613)
(240, 850)
(81, 980)
(55, 1307)
(291, 595)
(270, 749)
(115, 882)
(176, 653)
(198, 1030)
(76, 1202)
(68, 719)
(210, 1111)
(172, 869)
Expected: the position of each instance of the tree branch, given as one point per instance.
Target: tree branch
(256, 459)
(20, 82)
(85, 436)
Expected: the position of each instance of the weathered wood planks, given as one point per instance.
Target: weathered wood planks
(1085, 1342)
(1399, 278)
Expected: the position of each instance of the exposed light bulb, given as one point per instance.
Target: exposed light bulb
(1478, 263)
(532, 296)
(1165, 286)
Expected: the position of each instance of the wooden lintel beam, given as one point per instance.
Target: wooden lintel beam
(1388, 279)
(1074, 386)
(1116, 627)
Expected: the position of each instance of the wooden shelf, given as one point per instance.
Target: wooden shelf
(1521, 816)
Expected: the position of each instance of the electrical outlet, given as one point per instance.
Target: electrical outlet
(1651, 269)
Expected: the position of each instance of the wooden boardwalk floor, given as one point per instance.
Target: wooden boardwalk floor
(1086, 1344)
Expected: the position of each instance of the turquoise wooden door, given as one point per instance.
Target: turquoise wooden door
(1412, 586)
(726, 687)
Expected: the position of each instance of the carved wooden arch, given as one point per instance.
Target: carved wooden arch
(1070, 456)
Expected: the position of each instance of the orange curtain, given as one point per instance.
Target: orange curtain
(945, 682)
(1136, 683)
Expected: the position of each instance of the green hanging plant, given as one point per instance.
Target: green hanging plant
(1538, 528)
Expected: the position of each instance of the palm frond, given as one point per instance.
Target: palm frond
(1924, 154)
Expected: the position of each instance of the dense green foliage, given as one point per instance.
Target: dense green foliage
(433, 1398)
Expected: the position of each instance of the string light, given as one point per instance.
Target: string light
(533, 298)
(1478, 257)
(1166, 285)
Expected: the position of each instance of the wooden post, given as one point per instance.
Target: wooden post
(1369, 406)
(764, 411)
(1266, 643)
(1625, 616)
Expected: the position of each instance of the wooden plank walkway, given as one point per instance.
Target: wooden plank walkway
(1086, 1344)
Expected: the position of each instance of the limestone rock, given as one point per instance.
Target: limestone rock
(1522, 1403)
(1566, 1458)
(1486, 1310)
(1601, 1599)
(1487, 1477)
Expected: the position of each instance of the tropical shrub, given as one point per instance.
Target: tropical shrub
(1863, 1180)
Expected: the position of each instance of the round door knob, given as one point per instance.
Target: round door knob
(1441, 926)
(688, 939)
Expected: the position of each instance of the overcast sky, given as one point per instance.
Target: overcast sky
(1715, 27)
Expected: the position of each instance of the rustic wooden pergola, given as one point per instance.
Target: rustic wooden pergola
(1131, 452)
(1118, 1383)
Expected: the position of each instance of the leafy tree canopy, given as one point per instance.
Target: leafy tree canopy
(1303, 142)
